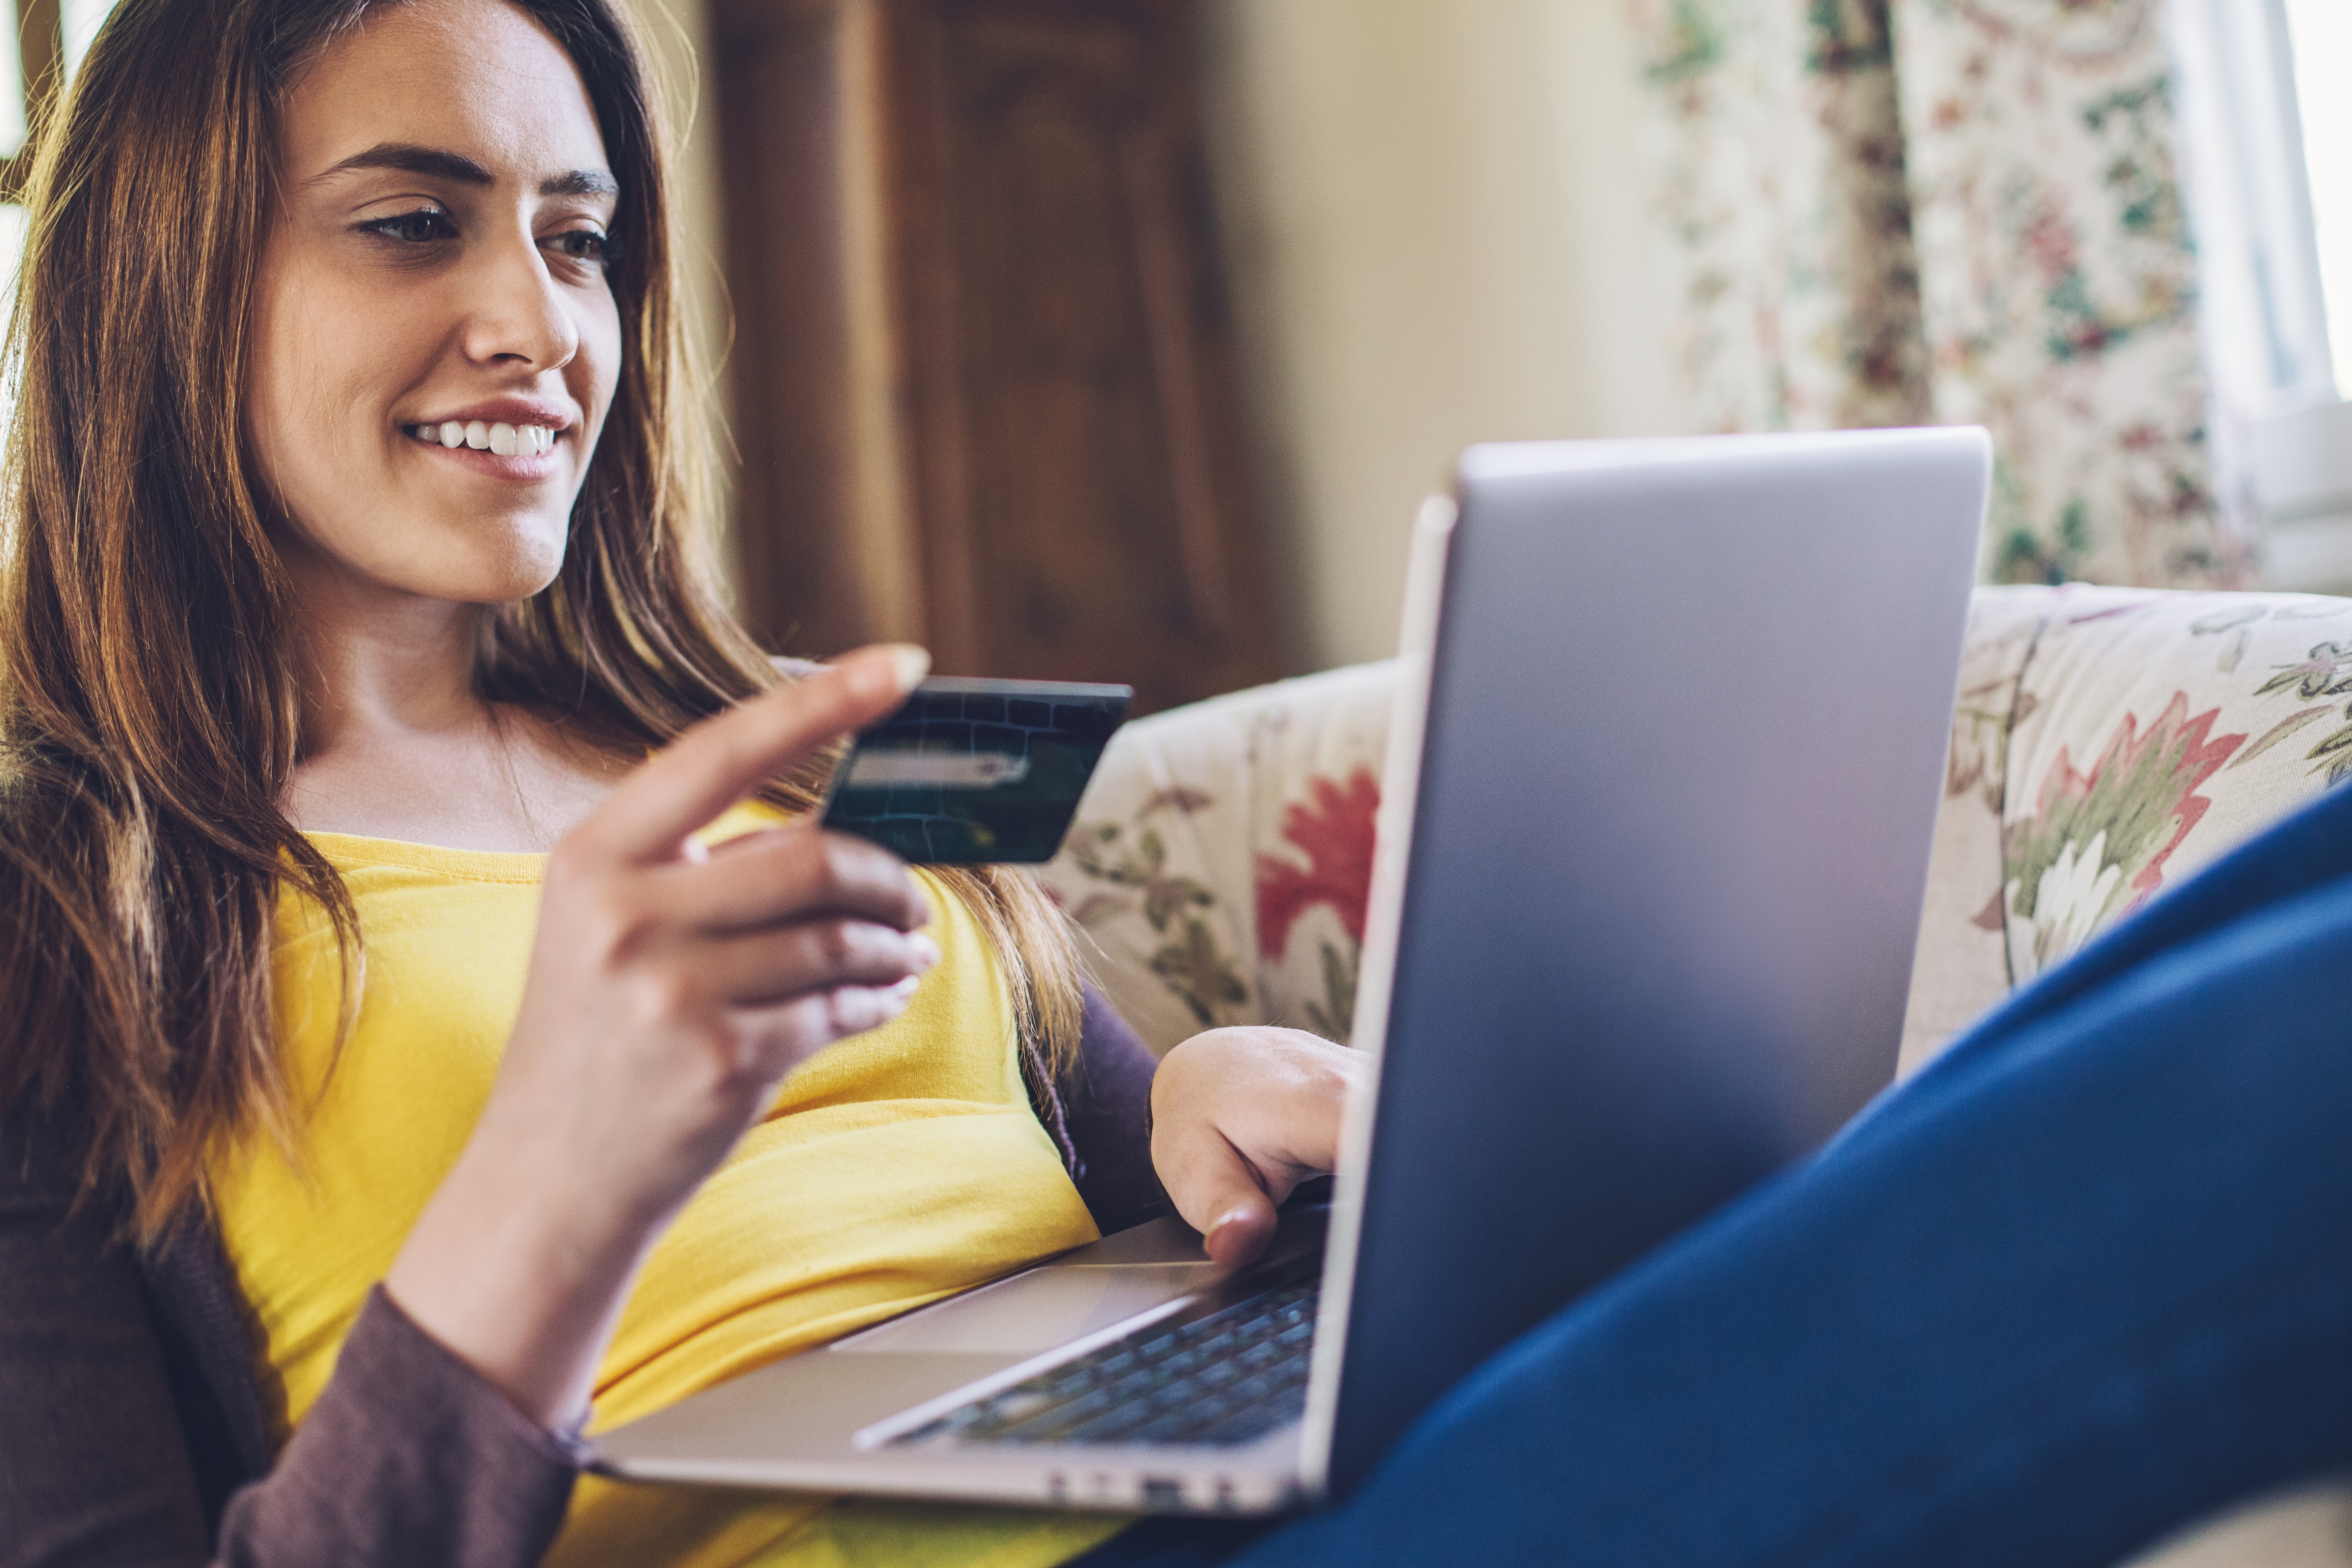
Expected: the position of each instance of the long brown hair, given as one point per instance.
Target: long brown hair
(149, 718)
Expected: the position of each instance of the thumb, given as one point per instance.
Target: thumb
(1218, 1193)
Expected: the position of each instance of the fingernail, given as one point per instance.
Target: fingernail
(1224, 1223)
(857, 1008)
(908, 664)
(905, 989)
(923, 949)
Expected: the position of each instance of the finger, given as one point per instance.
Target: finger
(1217, 1192)
(777, 1039)
(762, 968)
(724, 758)
(780, 874)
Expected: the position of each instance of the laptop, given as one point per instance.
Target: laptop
(1653, 844)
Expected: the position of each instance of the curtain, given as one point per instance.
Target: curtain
(1885, 211)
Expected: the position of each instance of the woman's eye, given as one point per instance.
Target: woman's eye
(417, 227)
(585, 244)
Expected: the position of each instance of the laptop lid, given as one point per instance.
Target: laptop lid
(1654, 844)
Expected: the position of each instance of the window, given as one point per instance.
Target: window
(79, 25)
(2319, 35)
(12, 73)
(37, 37)
(2267, 133)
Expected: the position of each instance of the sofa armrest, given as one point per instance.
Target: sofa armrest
(2109, 743)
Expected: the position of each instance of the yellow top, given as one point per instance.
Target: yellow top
(894, 1168)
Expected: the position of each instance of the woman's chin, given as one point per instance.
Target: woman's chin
(503, 581)
(513, 588)
(495, 565)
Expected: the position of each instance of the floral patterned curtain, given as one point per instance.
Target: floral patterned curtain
(1882, 212)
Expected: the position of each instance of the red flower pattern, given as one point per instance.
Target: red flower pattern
(2141, 793)
(1334, 827)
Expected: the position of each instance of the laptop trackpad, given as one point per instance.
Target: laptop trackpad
(1038, 1311)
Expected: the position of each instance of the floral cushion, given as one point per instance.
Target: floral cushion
(1220, 859)
(2109, 742)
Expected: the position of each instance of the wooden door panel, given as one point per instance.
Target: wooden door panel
(1057, 394)
(1077, 539)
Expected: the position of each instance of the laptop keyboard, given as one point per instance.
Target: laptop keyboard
(1220, 1380)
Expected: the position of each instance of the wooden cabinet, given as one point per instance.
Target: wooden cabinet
(983, 382)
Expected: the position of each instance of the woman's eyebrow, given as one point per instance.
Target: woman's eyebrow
(410, 158)
(580, 183)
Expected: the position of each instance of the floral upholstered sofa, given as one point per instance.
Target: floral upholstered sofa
(2107, 744)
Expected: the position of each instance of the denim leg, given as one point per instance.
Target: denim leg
(2087, 1281)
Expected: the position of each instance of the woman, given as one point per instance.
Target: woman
(353, 570)
(302, 666)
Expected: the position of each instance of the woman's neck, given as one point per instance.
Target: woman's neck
(397, 744)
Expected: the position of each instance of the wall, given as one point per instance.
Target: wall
(1432, 229)
(1433, 224)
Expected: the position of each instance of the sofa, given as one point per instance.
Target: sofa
(2107, 743)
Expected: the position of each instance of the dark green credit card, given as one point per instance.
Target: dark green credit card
(975, 772)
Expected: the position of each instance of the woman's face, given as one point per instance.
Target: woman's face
(436, 343)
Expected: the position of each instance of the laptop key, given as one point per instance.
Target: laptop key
(1109, 1426)
(1226, 1378)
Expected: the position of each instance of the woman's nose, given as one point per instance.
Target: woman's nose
(516, 311)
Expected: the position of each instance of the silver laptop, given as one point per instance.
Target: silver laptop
(1652, 843)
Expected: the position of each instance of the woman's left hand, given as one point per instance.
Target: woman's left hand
(1240, 1116)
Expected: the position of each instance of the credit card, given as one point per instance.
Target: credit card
(975, 772)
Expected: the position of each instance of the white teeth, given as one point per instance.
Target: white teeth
(502, 441)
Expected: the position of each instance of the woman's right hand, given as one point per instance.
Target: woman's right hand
(670, 991)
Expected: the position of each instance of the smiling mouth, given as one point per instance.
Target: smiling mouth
(500, 440)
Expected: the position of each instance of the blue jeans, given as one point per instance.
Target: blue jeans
(2086, 1278)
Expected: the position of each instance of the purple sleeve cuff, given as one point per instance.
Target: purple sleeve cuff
(1106, 1100)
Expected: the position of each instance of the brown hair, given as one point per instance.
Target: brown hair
(149, 717)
